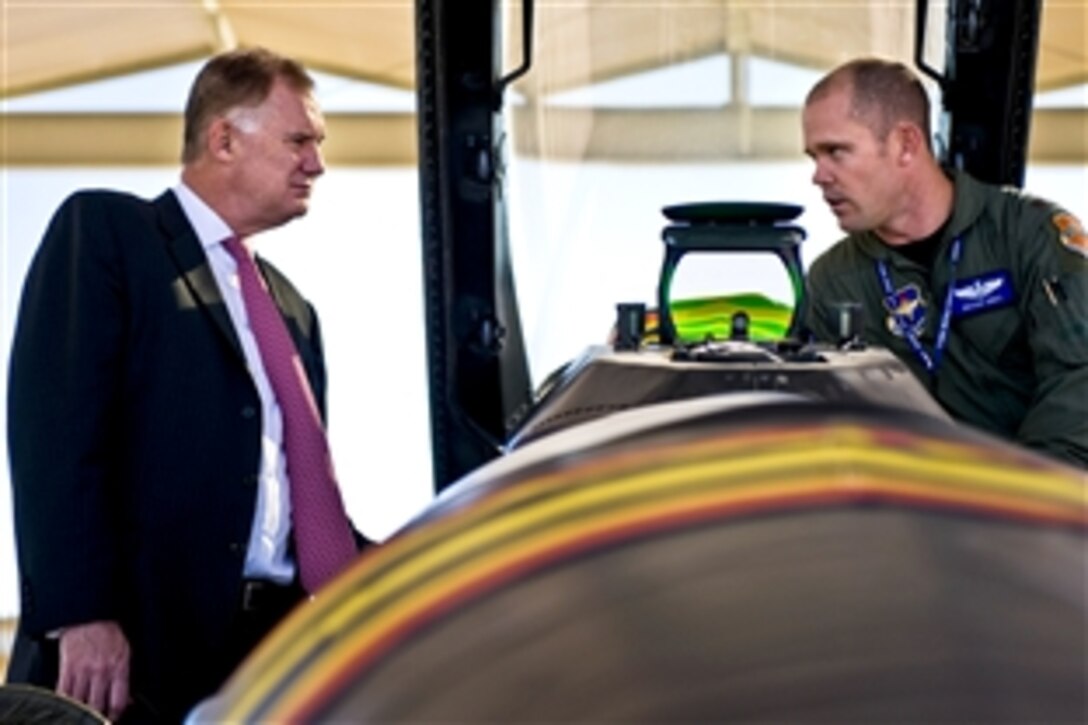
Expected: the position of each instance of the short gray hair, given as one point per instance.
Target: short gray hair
(237, 78)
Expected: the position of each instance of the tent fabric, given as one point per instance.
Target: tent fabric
(577, 45)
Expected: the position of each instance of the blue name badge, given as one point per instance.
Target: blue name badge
(985, 292)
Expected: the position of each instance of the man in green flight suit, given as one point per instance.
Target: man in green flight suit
(982, 291)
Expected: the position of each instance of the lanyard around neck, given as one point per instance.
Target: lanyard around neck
(931, 361)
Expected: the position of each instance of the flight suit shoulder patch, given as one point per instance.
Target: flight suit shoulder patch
(1071, 232)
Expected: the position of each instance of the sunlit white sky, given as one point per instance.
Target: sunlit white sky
(585, 237)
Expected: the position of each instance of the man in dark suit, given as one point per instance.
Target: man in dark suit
(152, 485)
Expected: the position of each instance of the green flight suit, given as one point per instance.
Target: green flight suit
(1016, 358)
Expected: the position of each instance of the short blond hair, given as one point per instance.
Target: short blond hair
(882, 93)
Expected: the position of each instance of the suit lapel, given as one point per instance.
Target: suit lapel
(300, 326)
(196, 273)
(282, 297)
(278, 295)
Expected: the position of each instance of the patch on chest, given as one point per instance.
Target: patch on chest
(988, 291)
(906, 311)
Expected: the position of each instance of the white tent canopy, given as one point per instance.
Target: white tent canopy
(49, 45)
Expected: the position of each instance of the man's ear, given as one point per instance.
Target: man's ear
(909, 141)
(220, 138)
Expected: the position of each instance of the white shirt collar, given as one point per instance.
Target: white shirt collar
(210, 227)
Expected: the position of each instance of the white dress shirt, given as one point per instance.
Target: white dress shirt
(266, 556)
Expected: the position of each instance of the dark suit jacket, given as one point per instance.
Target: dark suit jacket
(134, 432)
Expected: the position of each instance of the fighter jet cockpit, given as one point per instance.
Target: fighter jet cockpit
(730, 342)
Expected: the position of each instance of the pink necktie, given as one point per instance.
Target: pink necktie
(324, 541)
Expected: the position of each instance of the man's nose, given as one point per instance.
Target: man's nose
(313, 163)
(820, 175)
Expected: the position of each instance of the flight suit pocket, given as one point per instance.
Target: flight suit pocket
(1059, 319)
(999, 335)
